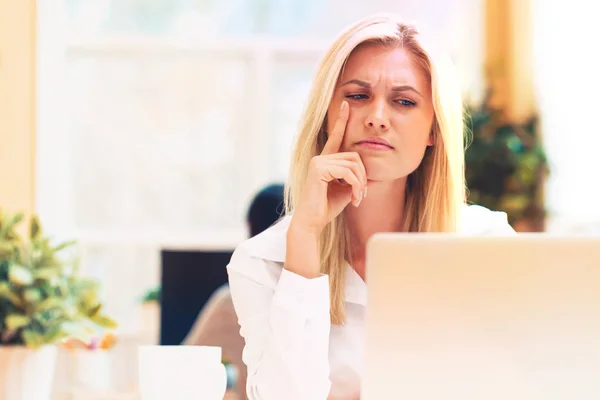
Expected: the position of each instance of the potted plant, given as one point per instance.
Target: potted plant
(506, 166)
(90, 363)
(43, 300)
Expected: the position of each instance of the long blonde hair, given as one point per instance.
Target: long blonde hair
(435, 191)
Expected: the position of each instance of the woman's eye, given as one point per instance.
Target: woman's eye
(356, 96)
(407, 103)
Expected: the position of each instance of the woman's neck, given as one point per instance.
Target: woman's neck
(381, 211)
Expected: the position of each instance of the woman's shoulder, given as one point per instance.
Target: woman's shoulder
(479, 220)
(261, 257)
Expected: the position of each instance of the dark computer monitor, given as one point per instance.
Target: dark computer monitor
(188, 278)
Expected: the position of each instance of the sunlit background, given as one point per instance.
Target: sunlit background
(138, 125)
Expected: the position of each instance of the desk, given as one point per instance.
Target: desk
(90, 394)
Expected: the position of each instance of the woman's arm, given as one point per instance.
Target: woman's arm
(286, 330)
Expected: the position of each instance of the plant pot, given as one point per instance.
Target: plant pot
(90, 369)
(27, 374)
(150, 322)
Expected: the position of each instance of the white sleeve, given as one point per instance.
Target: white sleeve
(499, 226)
(286, 330)
(482, 221)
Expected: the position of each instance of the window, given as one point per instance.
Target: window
(566, 88)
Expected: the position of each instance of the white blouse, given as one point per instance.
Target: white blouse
(292, 351)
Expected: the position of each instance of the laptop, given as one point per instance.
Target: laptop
(188, 279)
(467, 318)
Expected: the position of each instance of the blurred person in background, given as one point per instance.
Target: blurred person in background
(266, 208)
(380, 149)
(217, 323)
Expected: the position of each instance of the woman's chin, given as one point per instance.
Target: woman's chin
(383, 175)
(382, 170)
(379, 171)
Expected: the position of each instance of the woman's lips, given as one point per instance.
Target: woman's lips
(375, 144)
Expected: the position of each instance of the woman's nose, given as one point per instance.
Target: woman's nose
(377, 117)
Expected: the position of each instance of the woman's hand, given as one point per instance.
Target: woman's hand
(333, 181)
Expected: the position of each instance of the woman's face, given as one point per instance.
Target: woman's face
(391, 111)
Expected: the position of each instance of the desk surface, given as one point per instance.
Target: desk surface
(91, 394)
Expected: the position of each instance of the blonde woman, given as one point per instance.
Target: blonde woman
(380, 149)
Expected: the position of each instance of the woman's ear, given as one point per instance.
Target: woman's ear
(431, 140)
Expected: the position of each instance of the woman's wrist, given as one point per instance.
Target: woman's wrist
(300, 230)
(302, 251)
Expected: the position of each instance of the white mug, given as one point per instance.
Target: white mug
(181, 372)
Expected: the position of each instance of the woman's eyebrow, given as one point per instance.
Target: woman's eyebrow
(367, 85)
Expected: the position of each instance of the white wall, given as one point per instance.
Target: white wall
(567, 83)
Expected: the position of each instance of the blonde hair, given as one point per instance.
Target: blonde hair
(435, 191)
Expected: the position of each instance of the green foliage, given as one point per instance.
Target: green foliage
(42, 297)
(505, 163)
(152, 295)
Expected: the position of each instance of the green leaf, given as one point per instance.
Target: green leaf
(32, 339)
(50, 303)
(9, 225)
(104, 321)
(32, 295)
(54, 334)
(10, 295)
(152, 295)
(20, 275)
(64, 245)
(46, 273)
(94, 310)
(35, 229)
(16, 321)
(7, 248)
(514, 203)
(49, 317)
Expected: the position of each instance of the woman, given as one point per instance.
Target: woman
(380, 149)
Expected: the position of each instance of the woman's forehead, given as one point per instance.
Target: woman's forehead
(378, 63)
